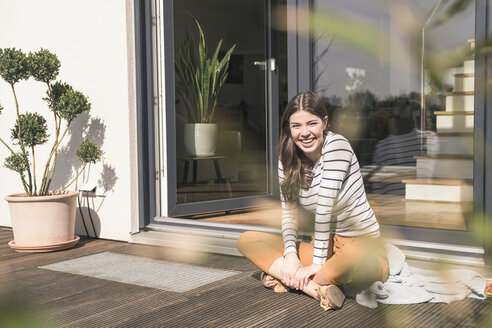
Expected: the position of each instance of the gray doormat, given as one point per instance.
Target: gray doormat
(141, 271)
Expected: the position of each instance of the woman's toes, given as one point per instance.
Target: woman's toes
(269, 281)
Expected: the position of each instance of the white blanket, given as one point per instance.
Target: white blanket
(409, 285)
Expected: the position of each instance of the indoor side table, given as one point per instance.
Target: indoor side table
(195, 160)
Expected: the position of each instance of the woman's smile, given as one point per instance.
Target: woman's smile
(307, 142)
(307, 130)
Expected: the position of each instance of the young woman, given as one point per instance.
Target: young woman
(319, 171)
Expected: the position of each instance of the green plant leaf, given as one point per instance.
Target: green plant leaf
(89, 152)
(33, 129)
(14, 65)
(71, 104)
(18, 162)
(199, 78)
(43, 65)
(54, 93)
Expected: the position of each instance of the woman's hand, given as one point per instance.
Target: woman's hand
(290, 266)
(303, 275)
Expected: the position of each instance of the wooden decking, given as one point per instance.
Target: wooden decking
(54, 299)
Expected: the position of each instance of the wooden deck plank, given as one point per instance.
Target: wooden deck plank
(116, 303)
(5, 239)
(222, 298)
(238, 301)
(45, 285)
(84, 247)
(184, 256)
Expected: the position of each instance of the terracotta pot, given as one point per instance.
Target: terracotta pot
(43, 223)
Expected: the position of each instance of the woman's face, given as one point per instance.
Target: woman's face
(306, 130)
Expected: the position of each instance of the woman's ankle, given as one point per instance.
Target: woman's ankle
(311, 289)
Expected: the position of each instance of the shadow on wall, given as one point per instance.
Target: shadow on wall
(87, 221)
(68, 166)
(108, 178)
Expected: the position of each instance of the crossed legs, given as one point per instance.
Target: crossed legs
(353, 260)
(266, 252)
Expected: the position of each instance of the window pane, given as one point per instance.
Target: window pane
(237, 165)
(410, 121)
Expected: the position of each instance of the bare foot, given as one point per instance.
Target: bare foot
(331, 297)
(271, 282)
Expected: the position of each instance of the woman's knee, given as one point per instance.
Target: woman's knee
(247, 239)
(261, 248)
(360, 263)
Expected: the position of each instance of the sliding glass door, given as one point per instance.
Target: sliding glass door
(232, 166)
(407, 104)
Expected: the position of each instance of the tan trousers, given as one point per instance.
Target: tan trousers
(358, 261)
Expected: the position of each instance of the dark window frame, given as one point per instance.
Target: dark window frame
(483, 125)
(145, 111)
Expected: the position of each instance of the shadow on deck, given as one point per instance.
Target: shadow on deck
(36, 296)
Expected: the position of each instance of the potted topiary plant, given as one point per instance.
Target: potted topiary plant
(198, 82)
(42, 219)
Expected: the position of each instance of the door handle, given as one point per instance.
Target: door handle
(262, 64)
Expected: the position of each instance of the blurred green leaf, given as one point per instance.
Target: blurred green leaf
(353, 30)
(452, 10)
(16, 312)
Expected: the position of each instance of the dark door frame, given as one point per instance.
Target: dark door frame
(145, 111)
(483, 128)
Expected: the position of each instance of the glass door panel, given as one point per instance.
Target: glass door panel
(410, 122)
(239, 166)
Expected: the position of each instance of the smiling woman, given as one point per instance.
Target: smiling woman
(319, 170)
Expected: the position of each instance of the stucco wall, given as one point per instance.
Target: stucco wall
(94, 41)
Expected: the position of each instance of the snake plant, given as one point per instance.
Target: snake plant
(199, 79)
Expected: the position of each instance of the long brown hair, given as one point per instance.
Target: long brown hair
(293, 159)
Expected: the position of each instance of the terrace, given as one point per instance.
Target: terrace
(40, 296)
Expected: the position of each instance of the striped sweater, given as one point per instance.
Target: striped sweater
(336, 196)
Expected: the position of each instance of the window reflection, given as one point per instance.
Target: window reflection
(238, 167)
(412, 131)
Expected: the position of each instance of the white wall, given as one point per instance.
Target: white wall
(94, 41)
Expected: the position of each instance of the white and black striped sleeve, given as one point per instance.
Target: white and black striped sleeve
(289, 218)
(336, 156)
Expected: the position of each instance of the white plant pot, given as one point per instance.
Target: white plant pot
(200, 138)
